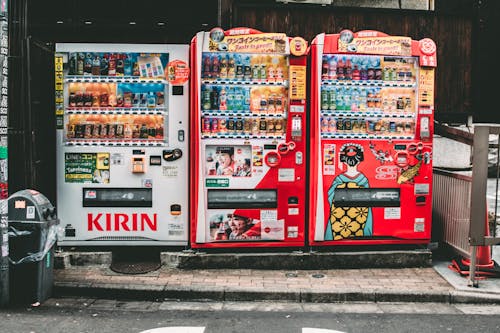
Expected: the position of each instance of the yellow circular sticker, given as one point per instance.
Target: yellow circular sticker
(298, 46)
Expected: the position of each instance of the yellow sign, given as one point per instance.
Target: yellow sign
(297, 82)
(378, 45)
(59, 90)
(426, 87)
(256, 43)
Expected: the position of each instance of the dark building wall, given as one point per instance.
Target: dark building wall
(449, 26)
(37, 25)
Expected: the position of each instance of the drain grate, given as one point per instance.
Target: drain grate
(134, 261)
(134, 267)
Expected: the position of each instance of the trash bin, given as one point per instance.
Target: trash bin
(32, 235)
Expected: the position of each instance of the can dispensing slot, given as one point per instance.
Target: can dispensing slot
(222, 199)
(367, 197)
(117, 197)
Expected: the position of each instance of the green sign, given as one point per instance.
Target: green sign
(217, 182)
(86, 168)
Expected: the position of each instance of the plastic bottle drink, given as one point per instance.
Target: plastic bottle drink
(348, 70)
(324, 69)
(223, 68)
(230, 98)
(80, 63)
(215, 67)
(238, 99)
(340, 99)
(332, 99)
(96, 65)
(256, 68)
(246, 98)
(206, 68)
(247, 69)
(205, 99)
(347, 99)
(355, 100)
(223, 99)
(332, 69)
(120, 65)
(87, 65)
(127, 69)
(324, 99)
(231, 67)
(362, 99)
(340, 70)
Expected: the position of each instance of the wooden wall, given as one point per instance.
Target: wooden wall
(450, 30)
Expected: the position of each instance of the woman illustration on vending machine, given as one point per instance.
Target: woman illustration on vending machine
(349, 222)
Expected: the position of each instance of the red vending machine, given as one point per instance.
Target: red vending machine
(248, 172)
(372, 104)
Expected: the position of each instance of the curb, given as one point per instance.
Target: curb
(161, 293)
(274, 261)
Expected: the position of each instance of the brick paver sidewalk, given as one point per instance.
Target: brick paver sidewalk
(339, 280)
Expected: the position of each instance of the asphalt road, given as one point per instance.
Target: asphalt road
(88, 315)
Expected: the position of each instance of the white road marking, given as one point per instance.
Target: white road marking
(177, 329)
(318, 330)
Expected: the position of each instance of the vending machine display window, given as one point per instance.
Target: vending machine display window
(371, 139)
(248, 131)
(122, 115)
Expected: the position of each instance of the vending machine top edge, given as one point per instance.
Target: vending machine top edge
(248, 121)
(372, 106)
(122, 143)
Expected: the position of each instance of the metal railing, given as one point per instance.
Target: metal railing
(451, 209)
(459, 200)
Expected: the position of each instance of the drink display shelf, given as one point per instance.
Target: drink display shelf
(241, 136)
(116, 111)
(111, 79)
(368, 114)
(242, 82)
(368, 83)
(246, 114)
(116, 143)
(365, 136)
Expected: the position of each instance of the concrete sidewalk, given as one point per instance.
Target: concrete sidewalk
(435, 283)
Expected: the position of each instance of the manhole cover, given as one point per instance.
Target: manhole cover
(318, 276)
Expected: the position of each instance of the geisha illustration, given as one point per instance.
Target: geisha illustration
(348, 222)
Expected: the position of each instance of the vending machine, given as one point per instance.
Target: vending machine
(122, 143)
(248, 121)
(372, 105)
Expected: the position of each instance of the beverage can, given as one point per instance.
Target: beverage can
(324, 124)
(214, 128)
(347, 124)
(332, 125)
(324, 99)
(119, 131)
(340, 125)
(88, 131)
(104, 130)
(207, 126)
(222, 125)
(239, 125)
(262, 126)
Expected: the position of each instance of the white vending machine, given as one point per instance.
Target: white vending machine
(122, 143)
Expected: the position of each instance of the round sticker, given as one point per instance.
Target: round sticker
(298, 46)
(346, 36)
(177, 72)
(217, 35)
(427, 46)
